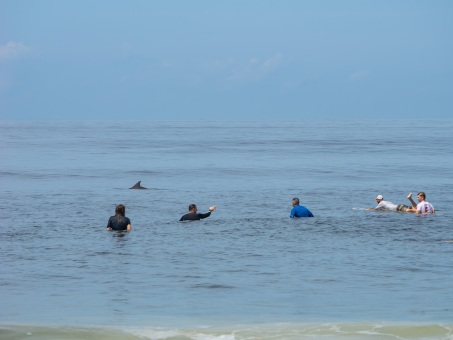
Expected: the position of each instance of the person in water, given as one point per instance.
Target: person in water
(299, 210)
(194, 216)
(387, 205)
(422, 207)
(119, 222)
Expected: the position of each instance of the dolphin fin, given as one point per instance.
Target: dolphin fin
(137, 186)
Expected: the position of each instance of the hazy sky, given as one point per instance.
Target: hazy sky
(226, 60)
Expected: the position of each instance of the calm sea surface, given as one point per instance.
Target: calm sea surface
(246, 272)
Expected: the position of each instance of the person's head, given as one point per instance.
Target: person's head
(379, 198)
(120, 210)
(193, 208)
(421, 196)
(295, 201)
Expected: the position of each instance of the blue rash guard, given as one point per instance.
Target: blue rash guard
(300, 211)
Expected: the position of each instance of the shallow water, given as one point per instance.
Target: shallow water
(289, 331)
(249, 263)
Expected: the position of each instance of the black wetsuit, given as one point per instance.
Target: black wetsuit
(194, 216)
(120, 224)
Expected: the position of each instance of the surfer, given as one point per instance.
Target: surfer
(299, 210)
(194, 216)
(387, 205)
(423, 207)
(119, 222)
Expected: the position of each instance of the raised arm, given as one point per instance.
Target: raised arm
(409, 197)
(211, 209)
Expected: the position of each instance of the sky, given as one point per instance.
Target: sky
(226, 60)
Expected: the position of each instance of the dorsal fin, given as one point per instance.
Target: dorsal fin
(137, 186)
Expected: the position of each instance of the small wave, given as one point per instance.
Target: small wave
(212, 286)
(282, 331)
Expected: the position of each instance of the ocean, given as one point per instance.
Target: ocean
(246, 272)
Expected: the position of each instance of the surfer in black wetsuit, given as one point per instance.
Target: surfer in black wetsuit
(119, 222)
(194, 216)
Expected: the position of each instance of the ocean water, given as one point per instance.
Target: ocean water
(246, 272)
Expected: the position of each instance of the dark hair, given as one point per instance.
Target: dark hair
(120, 211)
(192, 206)
(421, 193)
(296, 201)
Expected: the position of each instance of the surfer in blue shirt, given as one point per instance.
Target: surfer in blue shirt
(299, 210)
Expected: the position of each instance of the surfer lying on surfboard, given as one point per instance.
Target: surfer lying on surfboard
(387, 205)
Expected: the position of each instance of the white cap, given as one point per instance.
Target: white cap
(379, 197)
